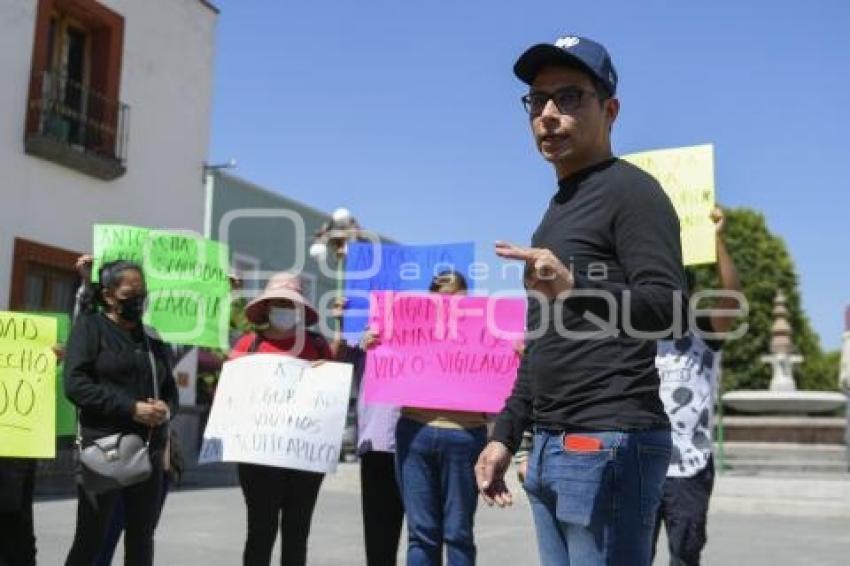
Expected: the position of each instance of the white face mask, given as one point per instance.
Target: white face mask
(283, 318)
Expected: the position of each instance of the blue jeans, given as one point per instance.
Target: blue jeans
(436, 476)
(598, 507)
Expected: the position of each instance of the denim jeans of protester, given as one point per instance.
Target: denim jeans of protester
(597, 506)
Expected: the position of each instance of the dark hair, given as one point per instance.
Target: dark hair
(109, 278)
(440, 279)
(602, 92)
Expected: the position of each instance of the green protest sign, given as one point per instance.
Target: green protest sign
(66, 413)
(187, 281)
(114, 242)
(188, 289)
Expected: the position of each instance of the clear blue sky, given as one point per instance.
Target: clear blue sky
(407, 112)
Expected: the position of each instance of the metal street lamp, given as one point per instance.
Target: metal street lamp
(333, 236)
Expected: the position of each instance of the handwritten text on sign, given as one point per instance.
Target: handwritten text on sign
(278, 411)
(444, 351)
(396, 267)
(186, 276)
(687, 176)
(27, 386)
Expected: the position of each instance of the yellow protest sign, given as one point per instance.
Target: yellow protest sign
(687, 176)
(27, 385)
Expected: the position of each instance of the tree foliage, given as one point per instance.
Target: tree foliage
(765, 266)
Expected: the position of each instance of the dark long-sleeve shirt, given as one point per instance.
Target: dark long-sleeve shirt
(616, 230)
(107, 370)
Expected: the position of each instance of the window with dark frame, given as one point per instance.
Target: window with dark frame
(68, 52)
(44, 278)
(74, 114)
(48, 289)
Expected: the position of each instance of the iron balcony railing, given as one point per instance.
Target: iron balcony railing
(71, 113)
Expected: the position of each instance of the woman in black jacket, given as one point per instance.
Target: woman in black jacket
(108, 376)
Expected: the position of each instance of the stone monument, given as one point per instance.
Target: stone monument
(782, 413)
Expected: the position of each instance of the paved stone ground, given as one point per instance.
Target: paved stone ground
(754, 521)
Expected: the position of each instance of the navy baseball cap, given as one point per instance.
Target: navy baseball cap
(570, 50)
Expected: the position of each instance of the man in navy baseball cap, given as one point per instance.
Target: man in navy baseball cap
(605, 280)
(571, 50)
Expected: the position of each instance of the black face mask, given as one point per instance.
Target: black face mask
(132, 308)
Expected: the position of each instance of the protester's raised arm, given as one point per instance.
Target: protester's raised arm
(727, 274)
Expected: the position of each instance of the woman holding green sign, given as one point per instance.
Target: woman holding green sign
(120, 379)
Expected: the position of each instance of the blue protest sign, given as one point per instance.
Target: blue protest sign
(397, 267)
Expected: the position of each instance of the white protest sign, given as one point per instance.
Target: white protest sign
(278, 411)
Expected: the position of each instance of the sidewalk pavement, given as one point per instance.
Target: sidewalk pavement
(754, 521)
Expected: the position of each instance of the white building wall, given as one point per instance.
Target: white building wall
(166, 79)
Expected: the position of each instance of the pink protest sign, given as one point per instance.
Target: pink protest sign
(443, 351)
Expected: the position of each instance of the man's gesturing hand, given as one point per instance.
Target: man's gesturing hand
(490, 474)
(544, 272)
